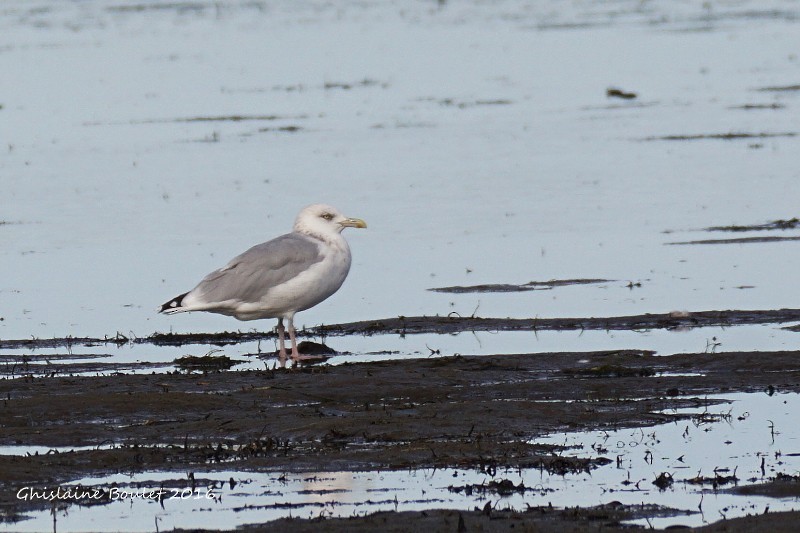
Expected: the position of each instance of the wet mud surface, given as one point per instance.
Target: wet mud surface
(530, 286)
(452, 323)
(600, 518)
(729, 136)
(739, 240)
(775, 225)
(792, 223)
(607, 517)
(483, 413)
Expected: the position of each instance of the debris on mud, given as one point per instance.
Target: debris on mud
(611, 371)
(722, 136)
(205, 363)
(227, 118)
(710, 418)
(454, 324)
(62, 364)
(741, 240)
(664, 481)
(530, 286)
(66, 342)
(780, 88)
(791, 223)
(215, 339)
(714, 481)
(203, 119)
(300, 87)
(366, 82)
(545, 519)
(281, 129)
(613, 92)
(501, 487)
(403, 325)
(781, 486)
(750, 107)
(775, 225)
(464, 104)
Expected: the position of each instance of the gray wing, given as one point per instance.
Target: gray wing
(249, 276)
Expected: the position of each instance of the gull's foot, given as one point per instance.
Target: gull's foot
(307, 352)
(304, 357)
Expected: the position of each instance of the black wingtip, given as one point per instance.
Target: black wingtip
(173, 304)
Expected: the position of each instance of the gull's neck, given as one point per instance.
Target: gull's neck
(331, 238)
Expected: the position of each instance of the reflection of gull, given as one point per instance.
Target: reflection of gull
(276, 279)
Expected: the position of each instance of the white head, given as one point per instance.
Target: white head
(324, 222)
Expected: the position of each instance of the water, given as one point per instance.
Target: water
(726, 439)
(144, 358)
(752, 438)
(475, 138)
(144, 144)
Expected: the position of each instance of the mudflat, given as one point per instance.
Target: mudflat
(471, 412)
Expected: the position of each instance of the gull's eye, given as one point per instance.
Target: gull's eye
(327, 216)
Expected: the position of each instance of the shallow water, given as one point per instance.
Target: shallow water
(144, 144)
(476, 139)
(145, 358)
(726, 439)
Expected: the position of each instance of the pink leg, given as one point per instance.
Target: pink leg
(295, 354)
(281, 338)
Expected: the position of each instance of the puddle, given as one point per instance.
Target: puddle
(24, 450)
(753, 438)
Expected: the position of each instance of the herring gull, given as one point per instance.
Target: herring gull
(278, 278)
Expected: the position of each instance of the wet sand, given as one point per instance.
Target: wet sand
(482, 413)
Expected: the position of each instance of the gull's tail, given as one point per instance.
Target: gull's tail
(174, 306)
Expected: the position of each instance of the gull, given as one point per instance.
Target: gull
(278, 278)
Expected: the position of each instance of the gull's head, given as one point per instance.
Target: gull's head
(324, 220)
